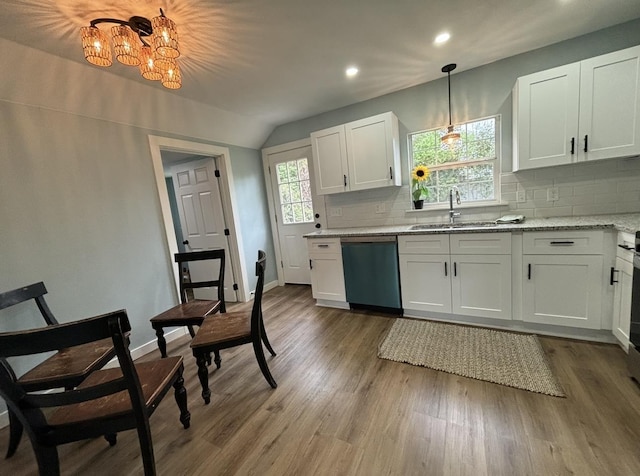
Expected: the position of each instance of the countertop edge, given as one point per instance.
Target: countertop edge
(628, 223)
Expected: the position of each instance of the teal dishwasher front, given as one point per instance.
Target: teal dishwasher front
(371, 272)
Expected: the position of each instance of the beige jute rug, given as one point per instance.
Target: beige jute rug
(506, 358)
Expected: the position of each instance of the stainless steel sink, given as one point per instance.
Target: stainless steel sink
(454, 226)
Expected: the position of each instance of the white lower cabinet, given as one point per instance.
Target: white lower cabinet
(467, 274)
(327, 272)
(481, 285)
(622, 279)
(425, 282)
(563, 278)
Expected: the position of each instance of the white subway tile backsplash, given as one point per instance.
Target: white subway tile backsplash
(609, 186)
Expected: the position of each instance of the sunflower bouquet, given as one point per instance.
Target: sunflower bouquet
(419, 176)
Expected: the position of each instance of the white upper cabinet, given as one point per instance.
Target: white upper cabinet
(578, 112)
(546, 117)
(359, 155)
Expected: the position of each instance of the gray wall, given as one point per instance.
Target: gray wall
(477, 93)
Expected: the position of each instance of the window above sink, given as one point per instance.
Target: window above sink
(472, 165)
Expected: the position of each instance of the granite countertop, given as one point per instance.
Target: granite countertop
(628, 222)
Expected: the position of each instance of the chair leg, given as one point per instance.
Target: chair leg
(112, 438)
(162, 343)
(265, 339)
(181, 400)
(47, 458)
(15, 433)
(217, 358)
(146, 448)
(191, 331)
(262, 362)
(203, 375)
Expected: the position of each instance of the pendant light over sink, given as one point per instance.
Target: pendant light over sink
(451, 137)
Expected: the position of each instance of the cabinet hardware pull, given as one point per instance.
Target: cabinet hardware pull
(573, 145)
(390, 173)
(626, 247)
(611, 280)
(310, 264)
(345, 180)
(445, 269)
(323, 245)
(562, 243)
(586, 142)
(529, 271)
(455, 269)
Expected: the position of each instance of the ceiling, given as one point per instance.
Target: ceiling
(283, 60)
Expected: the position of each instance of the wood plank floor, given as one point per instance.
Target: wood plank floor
(339, 410)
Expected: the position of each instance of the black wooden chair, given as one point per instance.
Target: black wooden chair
(66, 368)
(106, 402)
(235, 328)
(191, 312)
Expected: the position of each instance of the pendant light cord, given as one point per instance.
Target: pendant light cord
(449, 87)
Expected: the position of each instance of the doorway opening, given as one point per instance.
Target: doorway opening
(174, 154)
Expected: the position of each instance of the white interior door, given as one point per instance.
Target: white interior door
(202, 221)
(291, 185)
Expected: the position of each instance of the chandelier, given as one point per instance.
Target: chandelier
(152, 45)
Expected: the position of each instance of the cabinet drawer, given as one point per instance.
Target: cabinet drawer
(481, 243)
(580, 242)
(324, 246)
(423, 244)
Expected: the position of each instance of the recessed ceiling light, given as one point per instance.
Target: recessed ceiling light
(442, 38)
(351, 71)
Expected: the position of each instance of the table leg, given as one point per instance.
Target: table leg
(162, 343)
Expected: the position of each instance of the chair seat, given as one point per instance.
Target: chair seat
(226, 327)
(154, 376)
(192, 312)
(69, 365)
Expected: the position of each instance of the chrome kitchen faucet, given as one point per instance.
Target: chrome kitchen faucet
(453, 215)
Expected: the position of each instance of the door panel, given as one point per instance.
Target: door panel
(293, 192)
(202, 220)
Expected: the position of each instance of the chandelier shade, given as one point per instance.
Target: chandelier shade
(126, 45)
(148, 67)
(172, 78)
(165, 37)
(95, 44)
(152, 45)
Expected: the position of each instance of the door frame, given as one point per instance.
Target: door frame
(228, 196)
(320, 206)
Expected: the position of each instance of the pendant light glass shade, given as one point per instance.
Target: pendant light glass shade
(450, 137)
(148, 68)
(172, 78)
(165, 37)
(126, 45)
(95, 44)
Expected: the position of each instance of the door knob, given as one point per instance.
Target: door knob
(318, 225)
(185, 242)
